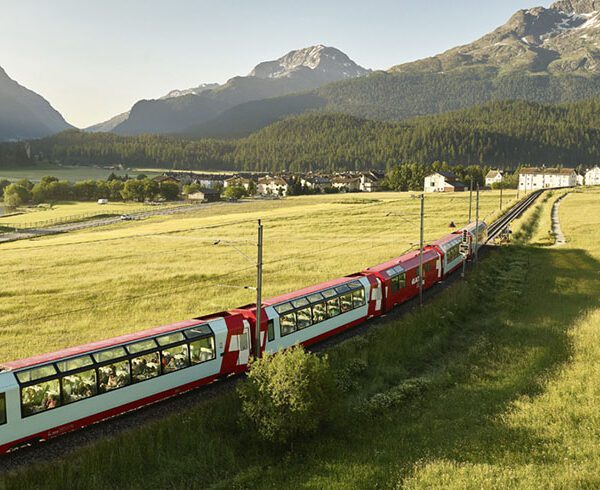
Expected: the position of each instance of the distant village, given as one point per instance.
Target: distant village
(211, 186)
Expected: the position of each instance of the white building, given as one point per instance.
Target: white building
(346, 183)
(273, 186)
(315, 182)
(370, 181)
(532, 179)
(592, 176)
(443, 182)
(493, 177)
(238, 182)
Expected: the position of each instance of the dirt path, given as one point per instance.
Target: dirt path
(559, 236)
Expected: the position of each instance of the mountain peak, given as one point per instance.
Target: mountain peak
(577, 6)
(328, 60)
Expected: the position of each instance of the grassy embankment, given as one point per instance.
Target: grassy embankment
(140, 274)
(493, 385)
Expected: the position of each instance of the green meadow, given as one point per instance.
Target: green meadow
(494, 384)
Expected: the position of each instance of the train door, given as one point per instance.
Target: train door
(244, 345)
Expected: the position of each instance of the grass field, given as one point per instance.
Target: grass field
(64, 210)
(136, 275)
(509, 392)
(69, 173)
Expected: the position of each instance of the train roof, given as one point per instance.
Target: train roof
(456, 236)
(309, 290)
(101, 344)
(409, 260)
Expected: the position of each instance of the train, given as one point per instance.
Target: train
(48, 395)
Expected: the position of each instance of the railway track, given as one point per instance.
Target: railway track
(496, 228)
(61, 447)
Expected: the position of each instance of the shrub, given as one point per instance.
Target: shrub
(287, 395)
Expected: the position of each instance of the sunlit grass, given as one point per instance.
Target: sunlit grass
(134, 275)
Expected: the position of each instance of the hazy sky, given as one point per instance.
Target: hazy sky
(93, 59)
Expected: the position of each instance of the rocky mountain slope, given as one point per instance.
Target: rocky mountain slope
(297, 71)
(25, 114)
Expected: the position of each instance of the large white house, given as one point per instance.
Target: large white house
(533, 179)
(273, 186)
(493, 177)
(592, 176)
(443, 182)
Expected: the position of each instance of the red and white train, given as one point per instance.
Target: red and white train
(44, 396)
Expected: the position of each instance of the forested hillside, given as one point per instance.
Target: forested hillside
(499, 134)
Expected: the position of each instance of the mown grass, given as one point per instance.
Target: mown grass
(79, 287)
(492, 385)
(71, 209)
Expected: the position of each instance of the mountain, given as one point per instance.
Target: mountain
(562, 39)
(545, 55)
(25, 114)
(107, 126)
(191, 91)
(298, 71)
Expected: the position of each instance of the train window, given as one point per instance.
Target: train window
(346, 302)
(36, 373)
(199, 331)
(329, 293)
(315, 298)
(79, 386)
(145, 367)
(395, 284)
(356, 285)
(175, 358)
(284, 308)
(304, 318)
(110, 355)
(72, 364)
(287, 323)
(40, 397)
(170, 339)
(333, 307)
(2, 408)
(427, 267)
(113, 376)
(358, 298)
(141, 346)
(202, 350)
(319, 313)
(342, 289)
(299, 303)
(271, 330)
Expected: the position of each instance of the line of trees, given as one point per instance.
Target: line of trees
(50, 189)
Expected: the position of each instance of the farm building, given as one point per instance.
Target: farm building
(443, 182)
(493, 177)
(273, 186)
(346, 183)
(592, 176)
(204, 195)
(370, 181)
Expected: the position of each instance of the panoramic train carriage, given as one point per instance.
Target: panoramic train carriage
(318, 312)
(449, 249)
(400, 276)
(482, 234)
(47, 395)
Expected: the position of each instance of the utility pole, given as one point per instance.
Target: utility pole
(259, 265)
(422, 197)
(471, 200)
(476, 228)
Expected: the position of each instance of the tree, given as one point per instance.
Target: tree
(141, 177)
(134, 190)
(234, 192)
(169, 191)
(151, 189)
(4, 183)
(26, 183)
(287, 395)
(16, 195)
(252, 189)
